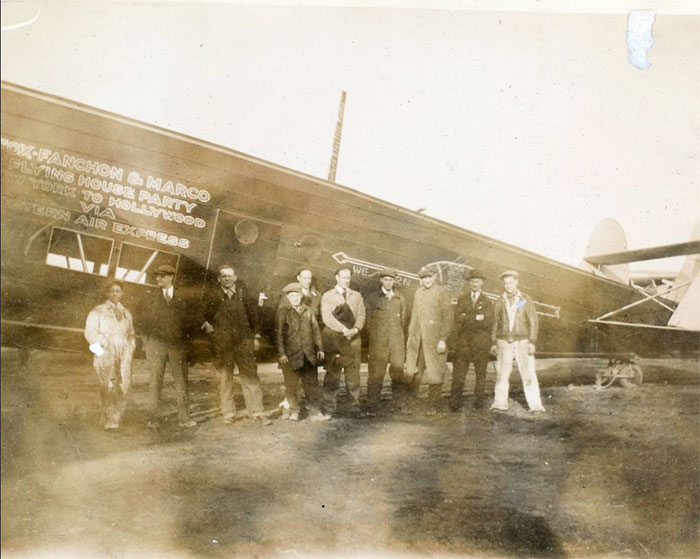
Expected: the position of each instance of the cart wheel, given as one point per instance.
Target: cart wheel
(635, 379)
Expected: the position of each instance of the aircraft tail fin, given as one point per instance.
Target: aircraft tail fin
(607, 237)
(689, 271)
(687, 314)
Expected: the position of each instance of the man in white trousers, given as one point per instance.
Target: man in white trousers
(514, 335)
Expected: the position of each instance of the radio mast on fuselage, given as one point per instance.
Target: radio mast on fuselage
(336, 139)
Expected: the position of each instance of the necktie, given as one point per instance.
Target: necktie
(167, 295)
(229, 293)
(474, 297)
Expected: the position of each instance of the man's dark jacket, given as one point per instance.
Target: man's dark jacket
(470, 331)
(298, 335)
(169, 322)
(235, 319)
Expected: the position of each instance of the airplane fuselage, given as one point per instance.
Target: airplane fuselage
(88, 195)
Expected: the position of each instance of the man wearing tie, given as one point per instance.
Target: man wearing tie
(309, 296)
(386, 322)
(343, 312)
(474, 316)
(231, 317)
(165, 317)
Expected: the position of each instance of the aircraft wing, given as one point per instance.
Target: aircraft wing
(653, 253)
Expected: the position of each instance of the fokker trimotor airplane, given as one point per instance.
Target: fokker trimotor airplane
(89, 195)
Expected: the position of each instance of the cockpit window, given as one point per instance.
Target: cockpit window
(136, 263)
(79, 252)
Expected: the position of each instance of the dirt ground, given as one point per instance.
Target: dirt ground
(609, 473)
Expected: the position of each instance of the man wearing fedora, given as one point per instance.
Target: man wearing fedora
(386, 322)
(474, 316)
(514, 335)
(429, 328)
(165, 323)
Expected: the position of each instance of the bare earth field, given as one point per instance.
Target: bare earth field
(609, 473)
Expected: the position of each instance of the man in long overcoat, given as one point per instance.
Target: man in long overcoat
(386, 322)
(430, 326)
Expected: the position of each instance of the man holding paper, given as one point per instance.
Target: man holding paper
(110, 332)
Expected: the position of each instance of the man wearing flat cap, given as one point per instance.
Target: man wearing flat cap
(230, 316)
(165, 324)
(474, 316)
(300, 349)
(386, 322)
(514, 335)
(430, 326)
(309, 296)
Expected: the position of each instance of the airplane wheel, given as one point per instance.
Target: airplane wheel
(635, 379)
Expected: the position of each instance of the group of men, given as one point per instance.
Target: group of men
(313, 329)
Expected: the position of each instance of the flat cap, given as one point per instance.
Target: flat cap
(387, 272)
(426, 271)
(293, 287)
(509, 274)
(165, 270)
(476, 274)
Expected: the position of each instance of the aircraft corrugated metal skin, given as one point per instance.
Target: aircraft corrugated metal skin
(89, 195)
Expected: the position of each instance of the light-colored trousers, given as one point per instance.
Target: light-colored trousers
(506, 351)
(113, 369)
(243, 355)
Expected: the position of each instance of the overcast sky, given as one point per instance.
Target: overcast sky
(525, 126)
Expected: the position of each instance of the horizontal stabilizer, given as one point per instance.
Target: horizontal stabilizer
(653, 253)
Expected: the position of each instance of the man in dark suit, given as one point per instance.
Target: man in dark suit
(230, 316)
(165, 317)
(474, 317)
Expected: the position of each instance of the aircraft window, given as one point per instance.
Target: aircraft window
(136, 263)
(79, 252)
(247, 231)
(311, 248)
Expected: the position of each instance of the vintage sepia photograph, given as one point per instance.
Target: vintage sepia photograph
(350, 279)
